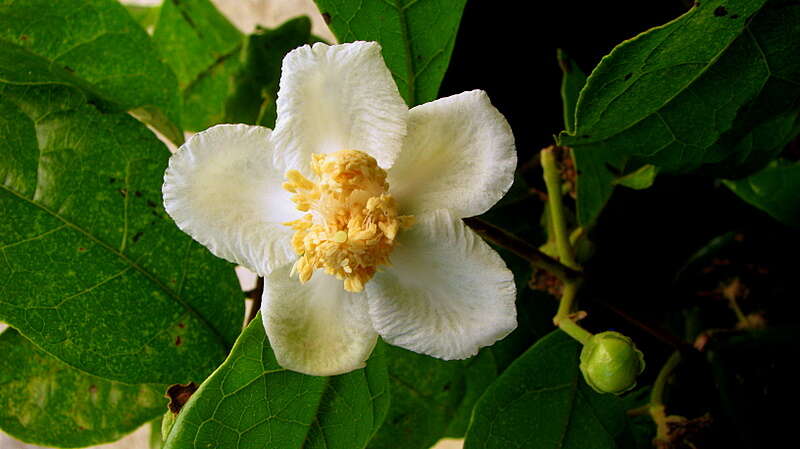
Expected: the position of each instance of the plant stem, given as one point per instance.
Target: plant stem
(657, 395)
(566, 306)
(552, 179)
(737, 310)
(521, 248)
(656, 406)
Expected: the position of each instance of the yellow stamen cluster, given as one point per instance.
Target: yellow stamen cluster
(353, 221)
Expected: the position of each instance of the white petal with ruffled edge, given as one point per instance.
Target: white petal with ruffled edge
(222, 189)
(337, 97)
(316, 328)
(459, 155)
(446, 294)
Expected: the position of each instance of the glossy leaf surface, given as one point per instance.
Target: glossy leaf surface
(93, 270)
(417, 37)
(775, 190)
(542, 401)
(250, 401)
(255, 86)
(683, 95)
(97, 42)
(47, 402)
(202, 47)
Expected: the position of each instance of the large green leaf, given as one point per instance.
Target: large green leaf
(428, 394)
(250, 401)
(684, 95)
(775, 190)
(93, 271)
(417, 37)
(47, 402)
(255, 87)
(542, 401)
(202, 47)
(433, 398)
(96, 41)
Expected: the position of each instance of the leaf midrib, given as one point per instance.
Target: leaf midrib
(191, 310)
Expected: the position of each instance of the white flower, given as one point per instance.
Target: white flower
(378, 246)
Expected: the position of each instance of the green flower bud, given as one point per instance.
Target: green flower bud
(610, 363)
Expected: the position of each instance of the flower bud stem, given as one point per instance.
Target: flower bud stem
(552, 179)
(564, 316)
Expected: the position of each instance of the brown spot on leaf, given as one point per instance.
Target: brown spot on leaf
(138, 194)
(178, 341)
(69, 69)
(93, 389)
(720, 11)
(178, 395)
(327, 18)
(81, 249)
(181, 325)
(151, 204)
(23, 37)
(137, 236)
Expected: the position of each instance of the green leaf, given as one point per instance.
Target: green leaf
(572, 81)
(93, 271)
(417, 37)
(256, 83)
(639, 179)
(47, 402)
(683, 95)
(155, 433)
(773, 190)
(431, 398)
(479, 373)
(642, 428)
(202, 47)
(96, 41)
(146, 16)
(597, 175)
(250, 401)
(542, 401)
(763, 144)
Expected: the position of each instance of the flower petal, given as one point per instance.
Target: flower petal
(316, 328)
(338, 97)
(447, 293)
(459, 155)
(222, 189)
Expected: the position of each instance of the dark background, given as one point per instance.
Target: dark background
(643, 238)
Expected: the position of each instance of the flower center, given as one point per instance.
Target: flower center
(353, 221)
